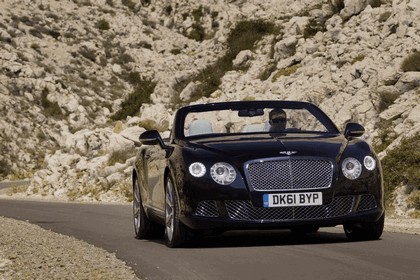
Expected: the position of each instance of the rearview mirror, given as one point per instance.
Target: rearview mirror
(152, 137)
(250, 112)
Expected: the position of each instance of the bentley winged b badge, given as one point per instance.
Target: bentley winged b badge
(289, 153)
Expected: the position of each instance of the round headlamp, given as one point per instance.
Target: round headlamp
(351, 168)
(369, 162)
(223, 173)
(197, 169)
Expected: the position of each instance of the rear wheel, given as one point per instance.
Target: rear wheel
(175, 232)
(365, 231)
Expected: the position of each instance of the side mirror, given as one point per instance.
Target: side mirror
(151, 137)
(353, 130)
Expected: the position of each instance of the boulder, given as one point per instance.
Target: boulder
(242, 58)
(408, 81)
(353, 7)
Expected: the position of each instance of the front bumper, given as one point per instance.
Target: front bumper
(239, 214)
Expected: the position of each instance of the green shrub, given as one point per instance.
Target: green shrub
(386, 99)
(246, 34)
(313, 26)
(36, 33)
(385, 16)
(88, 54)
(197, 33)
(5, 168)
(132, 77)
(197, 13)
(402, 165)
(36, 47)
(120, 156)
(242, 37)
(336, 5)
(375, 3)
(168, 10)
(129, 4)
(123, 59)
(411, 62)
(50, 108)
(54, 34)
(385, 137)
(285, 72)
(268, 71)
(414, 200)
(175, 51)
(127, 191)
(102, 24)
(358, 58)
(131, 105)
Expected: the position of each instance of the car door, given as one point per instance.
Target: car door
(155, 163)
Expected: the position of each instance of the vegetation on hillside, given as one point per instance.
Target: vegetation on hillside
(143, 88)
(402, 166)
(243, 37)
(411, 62)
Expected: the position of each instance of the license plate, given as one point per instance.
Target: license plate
(292, 199)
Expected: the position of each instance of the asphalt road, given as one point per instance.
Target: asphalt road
(235, 255)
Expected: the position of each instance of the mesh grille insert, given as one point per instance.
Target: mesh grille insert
(289, 174)
(243, 210)
(207, 208)
(367, 202)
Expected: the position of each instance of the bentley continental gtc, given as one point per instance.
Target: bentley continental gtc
(256, 165)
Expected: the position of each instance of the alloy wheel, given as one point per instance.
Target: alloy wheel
(169, 210)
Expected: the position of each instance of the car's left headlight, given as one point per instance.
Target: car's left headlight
(223, 173)
(352, 168)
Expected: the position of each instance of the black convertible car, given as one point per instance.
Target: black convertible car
(256, 165)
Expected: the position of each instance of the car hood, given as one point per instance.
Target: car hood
(249, 147)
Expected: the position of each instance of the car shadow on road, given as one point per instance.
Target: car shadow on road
(255, 238)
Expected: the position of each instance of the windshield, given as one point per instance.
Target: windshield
(245, 121)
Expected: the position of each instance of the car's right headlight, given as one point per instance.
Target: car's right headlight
(352, 168)
(223, 173)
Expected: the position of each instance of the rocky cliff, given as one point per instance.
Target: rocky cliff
(71, 69)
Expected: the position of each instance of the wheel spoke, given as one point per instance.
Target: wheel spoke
(169, 210)
(136, 211)
(136, 194)
(169, 201)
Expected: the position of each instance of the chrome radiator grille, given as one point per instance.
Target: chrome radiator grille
(289, 174)
(244, 211)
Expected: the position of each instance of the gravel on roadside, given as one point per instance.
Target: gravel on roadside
(28, 251)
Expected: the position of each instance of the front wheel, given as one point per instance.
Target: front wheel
(365, 231)
(142, 226)
(175, 232)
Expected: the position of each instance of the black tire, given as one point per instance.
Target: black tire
(175, 231)
(365, 231)
(142, 225)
